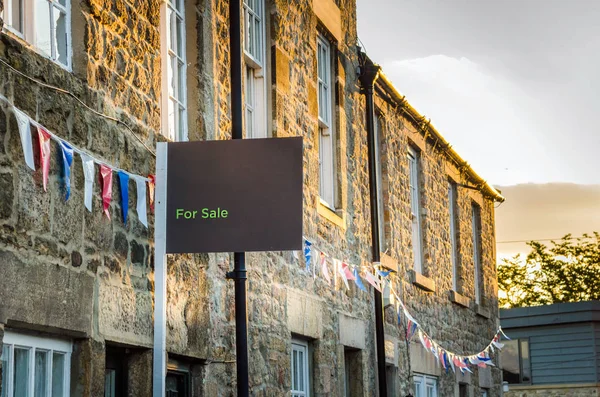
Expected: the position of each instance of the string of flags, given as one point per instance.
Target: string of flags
(144, 185)
(317, 261)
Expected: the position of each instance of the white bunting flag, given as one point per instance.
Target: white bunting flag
(340, 270)
(25, 132)
(141, 200)
(88, 172)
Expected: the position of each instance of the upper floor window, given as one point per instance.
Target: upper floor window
(255, 98)
(476, 225)
(453, 214)
(33, 366)
(415, 207)
(174, 71)
(425, 386)
(516, 364)
(300, 374)
(327, 161)
(46, 24)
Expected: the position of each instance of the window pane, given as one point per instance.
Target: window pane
(181, 124)
(41, 373)
(21, 372)
(180, 32)
(15, 19)
(60, 36)
(525, 362)
(43, 34)
(171, 119)
(301, 371)
(58, 374)
(5, 360)
(295, 370)
(180, 81)
(510, 361)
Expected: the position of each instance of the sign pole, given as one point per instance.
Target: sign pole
(239, 258)
(159, 372)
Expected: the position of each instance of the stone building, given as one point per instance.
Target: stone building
(113, 77)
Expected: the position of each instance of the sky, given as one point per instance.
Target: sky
(513, 85)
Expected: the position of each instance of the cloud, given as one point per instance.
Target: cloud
(490, 120)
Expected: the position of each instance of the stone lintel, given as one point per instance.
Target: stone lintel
(352, 331)
(389, 263)
(304, 315)
(330, 16)
(421, 281)
(482, 311)
(459, 299)
(485, 377)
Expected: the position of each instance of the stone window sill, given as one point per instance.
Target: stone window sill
(459, 299)
(482, 311)
(336, 217)
(421, 281)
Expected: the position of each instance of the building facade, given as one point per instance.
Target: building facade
(553, 351)
(114, 77)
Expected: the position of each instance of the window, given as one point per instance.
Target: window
(254, 55)
(425, 386)
(175, 69)
(415, 207)
(115, 372)
(327, 169)
(33, 366)
(391, 375)
(516, 364)
(484, 392)
(379, 178)
(476, 224)
(300, 377)
(463, 390)
(178, 381)
(453, 209)
(46, 24)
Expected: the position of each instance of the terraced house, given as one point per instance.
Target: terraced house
(113, 78)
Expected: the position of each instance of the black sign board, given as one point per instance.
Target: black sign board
(234, 196)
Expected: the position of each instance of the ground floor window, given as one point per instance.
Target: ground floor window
(35, 366)
(115, 372)
(300, 377)
(178, 381)
(484, 392)
(425, 386)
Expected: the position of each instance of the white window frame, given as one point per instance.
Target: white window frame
(300, 346)
(29, 27)
(169, 16)
(476, 228)
(452, 212)
(415, 207)
(325, 97)
(424, 383)
(255, 98)
(33, 343)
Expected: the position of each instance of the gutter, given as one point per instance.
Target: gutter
(481, 183)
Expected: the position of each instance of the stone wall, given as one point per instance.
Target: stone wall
(85, 277)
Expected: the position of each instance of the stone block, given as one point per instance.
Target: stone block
(7, 195)
(422, 281)
(391, 350)
(330, 16)
(282, 70)
(352, 332)
(422, 361)
(44, 296)
(485, 377)
(304, 314)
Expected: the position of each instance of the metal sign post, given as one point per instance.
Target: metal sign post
(160, 274)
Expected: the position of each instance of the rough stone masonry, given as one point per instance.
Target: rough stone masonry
(71, 274)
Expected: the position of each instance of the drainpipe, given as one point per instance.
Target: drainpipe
(368, 74)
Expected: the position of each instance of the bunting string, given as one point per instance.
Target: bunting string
(380, 279)
(144, 185)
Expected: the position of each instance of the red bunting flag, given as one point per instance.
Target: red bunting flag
(44, 138)
(373, 281)
(106, 174)
(151, 185)
(324, 269)
(348, 272)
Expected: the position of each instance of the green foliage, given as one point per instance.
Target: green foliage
(566, 271)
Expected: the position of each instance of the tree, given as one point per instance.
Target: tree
(566, 271)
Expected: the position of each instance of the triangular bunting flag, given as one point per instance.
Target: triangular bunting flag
(324, 269)
(151, 185)
(373, 281)
(106, 174)
(307, 253)
(44, 138)
(141, 208)
(124, 185)
(24, 125)
(357, 280)
(88, 173)
(340, 270)
(67, 160)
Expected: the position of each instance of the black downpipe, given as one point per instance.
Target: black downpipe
(368, 76)
(239, 258)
